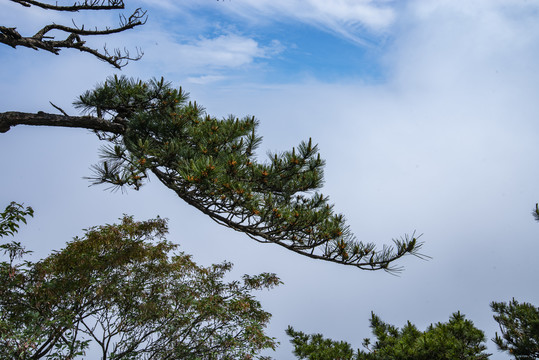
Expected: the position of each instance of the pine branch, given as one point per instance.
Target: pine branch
(211, 165)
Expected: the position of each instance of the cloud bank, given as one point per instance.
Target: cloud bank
(446, 145)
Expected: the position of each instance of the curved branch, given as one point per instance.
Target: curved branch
(86, 5)
(382, 262)
(151, 128)
(10, 36)
(13, 118)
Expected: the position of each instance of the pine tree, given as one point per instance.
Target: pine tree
(519, 326)
(152, 128)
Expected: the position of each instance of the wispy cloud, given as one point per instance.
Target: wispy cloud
(205, 56)
(222, 51)
(342, 16)
(351, 19)
(205, 79)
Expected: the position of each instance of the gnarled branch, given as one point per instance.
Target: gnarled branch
(41, 40)
(84, 5)
(13, 118)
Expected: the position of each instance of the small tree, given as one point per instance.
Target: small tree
(119, 288)
(151, 128)
(456, 339)
(519, 326)
(74, 34)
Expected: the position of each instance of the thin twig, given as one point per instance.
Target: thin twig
(59, 109)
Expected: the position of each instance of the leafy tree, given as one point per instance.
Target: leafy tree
(74, 34)
(151, 128)
(120, 289)
(456, 339)
(519, 326)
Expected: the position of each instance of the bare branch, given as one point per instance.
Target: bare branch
(73, 39)
(13, 118)
(137, 18)
(59, 109)
(85, 5)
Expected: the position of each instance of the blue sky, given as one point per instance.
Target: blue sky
(426, 112)
(272, 42)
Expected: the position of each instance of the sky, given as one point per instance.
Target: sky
(424, 110)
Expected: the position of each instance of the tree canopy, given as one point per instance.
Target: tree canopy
(74, 35)
(456, 339)
(120, 289)
(151, 128)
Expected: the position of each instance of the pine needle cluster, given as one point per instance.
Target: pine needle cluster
(211, 164)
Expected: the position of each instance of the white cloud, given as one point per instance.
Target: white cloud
(203, 55)
(428, 8)
(450, 43)
(205, 79)
(222, 51)
(447, 146)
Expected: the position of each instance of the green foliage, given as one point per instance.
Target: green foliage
(10, 218)
(519, 325)
(456, 339)
(120, 288)
(316, 347)
(211, 164)
(12, 215)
